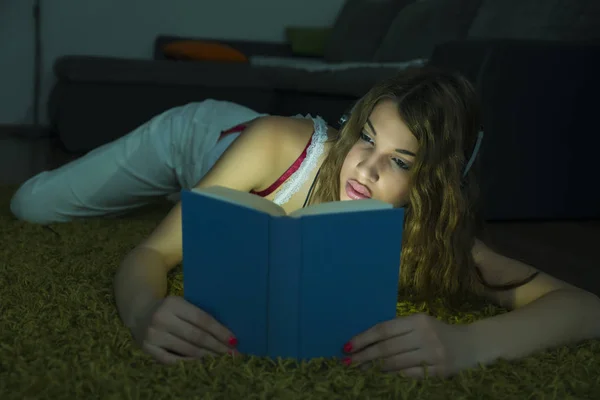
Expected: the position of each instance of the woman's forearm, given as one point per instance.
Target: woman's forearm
(140, 281)
(558, 318)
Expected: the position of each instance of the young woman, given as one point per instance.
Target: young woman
(408, 142)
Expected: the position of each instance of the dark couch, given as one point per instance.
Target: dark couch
(98, 99)
(539, 100)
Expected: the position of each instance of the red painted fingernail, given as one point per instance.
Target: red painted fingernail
(347, 361)
(233, 341)
(348, 347)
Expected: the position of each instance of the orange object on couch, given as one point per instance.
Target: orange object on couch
(202, 50)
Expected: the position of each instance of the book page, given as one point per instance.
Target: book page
(242, 199)
(336, 207)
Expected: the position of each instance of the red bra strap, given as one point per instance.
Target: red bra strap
(293, 168)
(237, 128)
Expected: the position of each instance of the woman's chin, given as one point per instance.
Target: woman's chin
(344, 197)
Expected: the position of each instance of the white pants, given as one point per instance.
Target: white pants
(172, 151)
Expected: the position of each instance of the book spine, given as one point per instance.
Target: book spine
(283, 300)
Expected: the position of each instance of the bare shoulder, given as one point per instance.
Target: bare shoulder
(286, 138)
(261, 149)
(285, 131)
(276, 136)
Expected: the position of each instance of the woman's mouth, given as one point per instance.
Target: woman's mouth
(357, 191)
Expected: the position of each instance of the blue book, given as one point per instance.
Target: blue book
(292, 286)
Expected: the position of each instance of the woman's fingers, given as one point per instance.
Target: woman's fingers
(201, 319)
(174, 344)
(196, 336)
(178, 330)
(162, 355)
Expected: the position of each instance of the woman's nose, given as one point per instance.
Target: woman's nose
(368, 169)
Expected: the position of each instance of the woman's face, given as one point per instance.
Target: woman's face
(378, 165)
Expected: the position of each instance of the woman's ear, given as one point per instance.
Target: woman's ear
(343, 119)
(346, 116)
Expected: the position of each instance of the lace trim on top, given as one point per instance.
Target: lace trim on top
(313, 154)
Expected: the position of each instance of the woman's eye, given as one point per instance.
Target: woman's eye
(401, 164)
(365, 137)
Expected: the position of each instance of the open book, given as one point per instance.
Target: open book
(297, 285)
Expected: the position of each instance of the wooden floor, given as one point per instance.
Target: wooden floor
(569, 250)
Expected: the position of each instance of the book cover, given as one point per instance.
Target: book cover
(225, 265)
(296, 286)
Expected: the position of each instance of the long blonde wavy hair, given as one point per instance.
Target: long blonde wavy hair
(442, 217)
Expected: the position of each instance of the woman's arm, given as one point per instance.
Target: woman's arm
(248, 164)
(547, 312)
(141, 279)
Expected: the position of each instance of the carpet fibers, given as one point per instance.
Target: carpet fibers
(61, 337)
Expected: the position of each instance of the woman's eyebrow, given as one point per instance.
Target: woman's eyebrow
(401, 151)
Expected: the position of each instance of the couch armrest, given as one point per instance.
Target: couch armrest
(248, 48)
(540, 118)
(471, 57)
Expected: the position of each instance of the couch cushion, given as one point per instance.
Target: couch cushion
(129, 71)
(359, 29)
(538, 19)
(422, 25)
(317, 76)
(279, 74)
(353, 82)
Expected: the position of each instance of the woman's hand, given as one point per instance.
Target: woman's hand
(407, 344)
(174, 329)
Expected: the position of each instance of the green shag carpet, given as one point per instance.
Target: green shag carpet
(61, 337)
